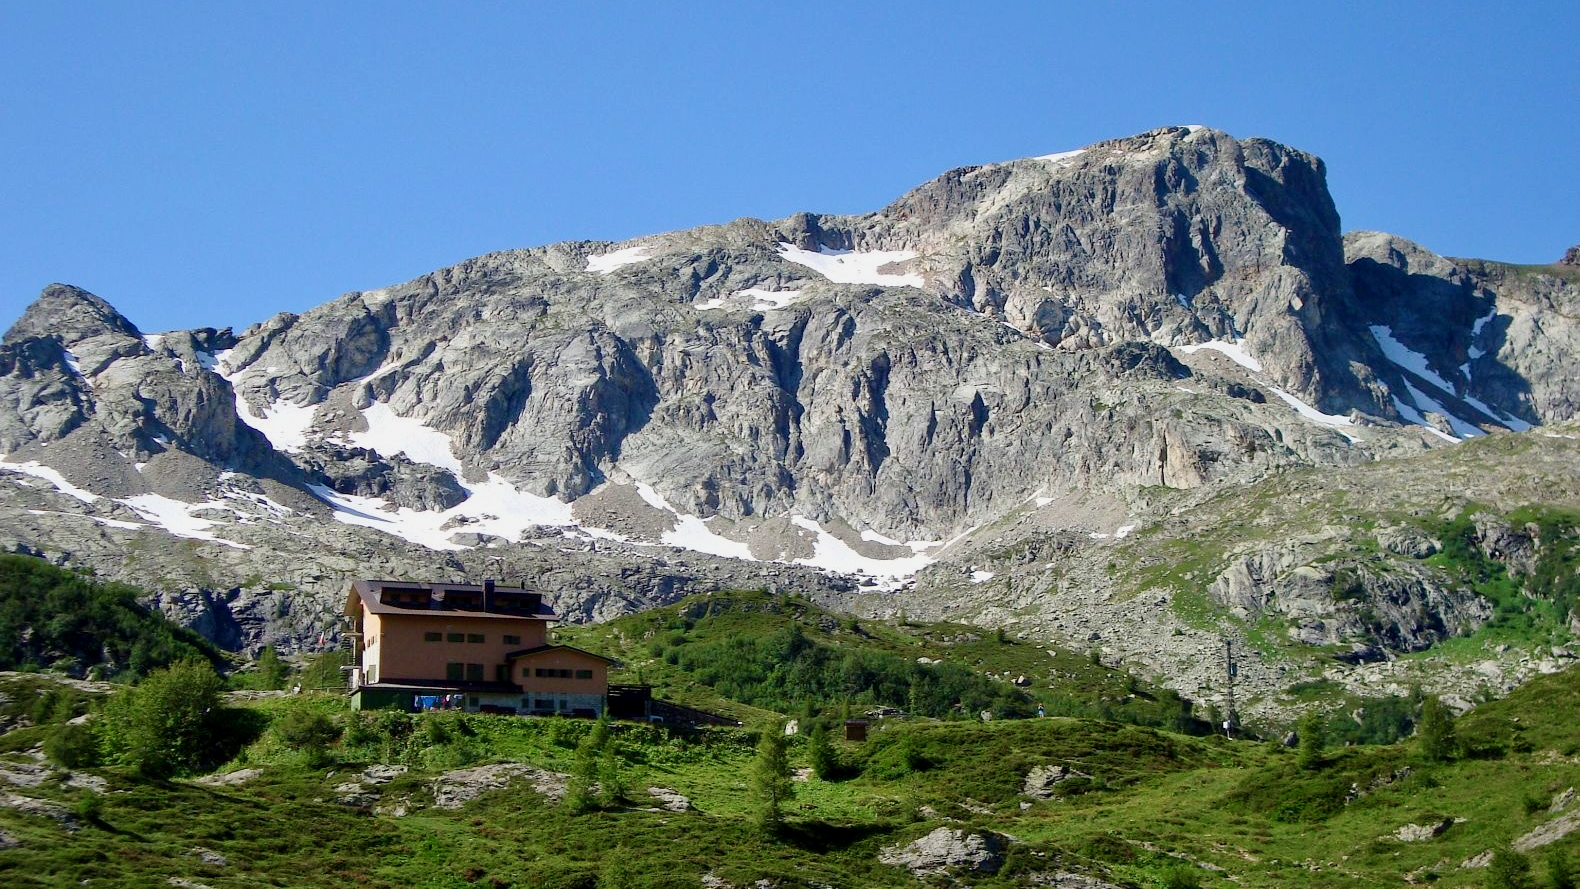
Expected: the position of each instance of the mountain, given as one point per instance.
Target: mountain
(1056, 353)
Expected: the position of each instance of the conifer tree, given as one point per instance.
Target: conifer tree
(611, 784)
(770, 779)
(271, 669)
(579, 795)
(1434, 733)
(825, 762)
(1309, 729)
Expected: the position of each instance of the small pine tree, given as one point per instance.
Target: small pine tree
(825, 762)
(1434, 733)
(1559, 872)
(1309, 754)
(1509, 870)
(611, 784)
(770, 779)
(271, 669)
(579, 795)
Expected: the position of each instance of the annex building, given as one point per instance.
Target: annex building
(478, 647)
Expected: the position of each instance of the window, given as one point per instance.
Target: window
(474, 637)
(583, 674)
(432, 636)
(454, 672)
(512, 640)
(474, 672)
(552, 673)
(456, 637)
(540, 704)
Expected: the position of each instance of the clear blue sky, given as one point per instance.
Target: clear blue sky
(209, 164)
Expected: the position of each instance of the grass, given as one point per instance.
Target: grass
(1153, 808)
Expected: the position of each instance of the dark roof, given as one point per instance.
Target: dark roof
(540, 649)
(366, 593)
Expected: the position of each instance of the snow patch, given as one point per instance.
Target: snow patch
(40, 471)
(1044, 501)
(1061, 158)
(72, 362)
(1305, 410)
(851, 267)
(153, 341)
(1407, 358)
(284, 424)
(769, 299)
(1123, 531)
(762, 300)
(390, 433)
(1414, 417)
(832, 554)
(691, 532)
(605, 263)
(1235, 350)
(981, 576)
(176, 517)
(1428, 403)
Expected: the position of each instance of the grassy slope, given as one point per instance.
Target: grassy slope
(1155, 801)
(1062, 681)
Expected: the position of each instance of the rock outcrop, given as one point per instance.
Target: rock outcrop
(948, 851)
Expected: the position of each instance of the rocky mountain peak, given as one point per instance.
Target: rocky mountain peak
(1571, 257)
(70, 314)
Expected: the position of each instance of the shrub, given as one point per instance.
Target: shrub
(309, 731)
(163, 726)
(1509, 870)
(71, 746)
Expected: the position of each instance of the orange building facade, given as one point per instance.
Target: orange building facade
(479, 647)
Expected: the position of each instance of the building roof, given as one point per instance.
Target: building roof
(440, 598)
(544, 649)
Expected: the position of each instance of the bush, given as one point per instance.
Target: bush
(71, 747)
(165, 725)
(309, 731)
(1509, 870)
(54, 616)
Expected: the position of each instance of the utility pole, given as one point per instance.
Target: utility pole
(1231, 719)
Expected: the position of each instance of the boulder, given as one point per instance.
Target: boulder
(948, 851)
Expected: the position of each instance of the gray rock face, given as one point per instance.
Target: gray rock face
(1502, 338)
(946, 851)
(1042, 782)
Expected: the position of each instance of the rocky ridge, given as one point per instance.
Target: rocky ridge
(1042, 355)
